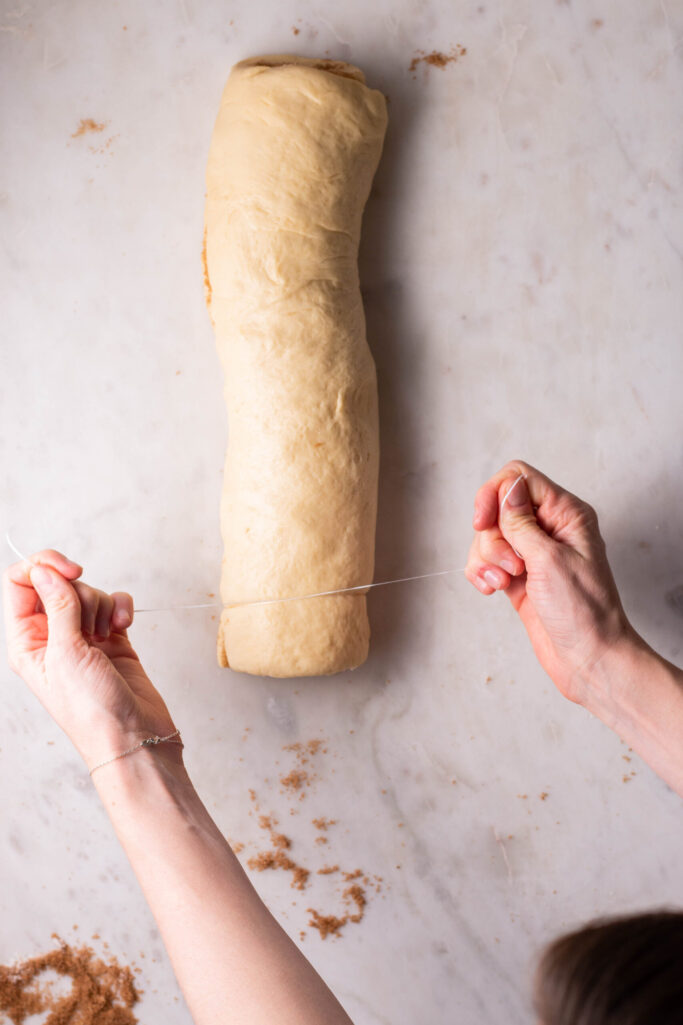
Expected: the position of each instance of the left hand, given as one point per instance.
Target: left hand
(68, 642)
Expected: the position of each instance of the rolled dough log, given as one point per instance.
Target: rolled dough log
(293, 154)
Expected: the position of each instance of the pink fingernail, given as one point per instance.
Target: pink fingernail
(492, 577)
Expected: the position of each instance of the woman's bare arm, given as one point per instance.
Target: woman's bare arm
(542, 546)
(233, 961)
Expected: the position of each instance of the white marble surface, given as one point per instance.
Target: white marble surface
(522, 270)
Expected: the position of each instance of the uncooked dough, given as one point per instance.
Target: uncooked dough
(293, 154)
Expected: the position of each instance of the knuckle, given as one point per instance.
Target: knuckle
(62, 603)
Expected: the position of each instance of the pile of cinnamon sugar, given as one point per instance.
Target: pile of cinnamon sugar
(102, 993)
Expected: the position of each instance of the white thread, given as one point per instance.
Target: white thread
(302, 597)
(277, 601)
(14, 548)
(174, 608)
(505, 498)
(510, 490)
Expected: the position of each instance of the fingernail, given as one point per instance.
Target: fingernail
(124, 618)
(518, 494)
(493, 577)
(41, 578)
(508, 565)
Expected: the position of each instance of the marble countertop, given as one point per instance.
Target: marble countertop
(522, 269)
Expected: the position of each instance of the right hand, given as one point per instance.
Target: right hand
(544, 549)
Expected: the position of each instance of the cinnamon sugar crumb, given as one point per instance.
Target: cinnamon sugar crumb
(356, 894)
(278, 859)
(327, 925)
(88, 124)
(295, 780)
(323, 823)
(437, 59)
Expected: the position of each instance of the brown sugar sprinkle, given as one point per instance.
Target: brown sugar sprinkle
(436, 58)
(349, 876)
(88, 124)
(356, 894)
(278, 859)
(327, 870)
(332, 925)
(102, 993)
(295, 780)
(327, 925)
(303, 751)
(543, 795)
(321, 840)
(324, 823)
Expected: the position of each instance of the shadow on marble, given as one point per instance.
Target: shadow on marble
(645, 567)
(392, 336)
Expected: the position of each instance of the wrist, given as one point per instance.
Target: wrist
(141, 764)
(612, 685)
(108, 739)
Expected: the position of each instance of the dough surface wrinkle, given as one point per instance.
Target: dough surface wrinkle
(293, 154)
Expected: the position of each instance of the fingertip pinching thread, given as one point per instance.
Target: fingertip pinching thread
(510, 490)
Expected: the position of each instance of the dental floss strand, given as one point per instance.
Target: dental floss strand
(274, 601)
(303, 597)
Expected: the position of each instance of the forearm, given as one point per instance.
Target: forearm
(232, 960)
(640, 696)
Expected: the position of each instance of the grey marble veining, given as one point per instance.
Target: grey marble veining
(522, 270)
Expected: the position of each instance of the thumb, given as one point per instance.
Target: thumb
(61, 604)
(517, 521)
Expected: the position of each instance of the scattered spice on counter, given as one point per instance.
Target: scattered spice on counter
(356, 894)
(354, 897)
(437, 59)
(295, 780)
(88, 124)
(324, 823)
(332, 925)
(327, 925)
(102, 993)
(278, 859)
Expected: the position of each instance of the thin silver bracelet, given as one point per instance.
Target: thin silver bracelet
(149, 742)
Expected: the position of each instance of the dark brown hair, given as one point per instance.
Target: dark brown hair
(617, 971)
